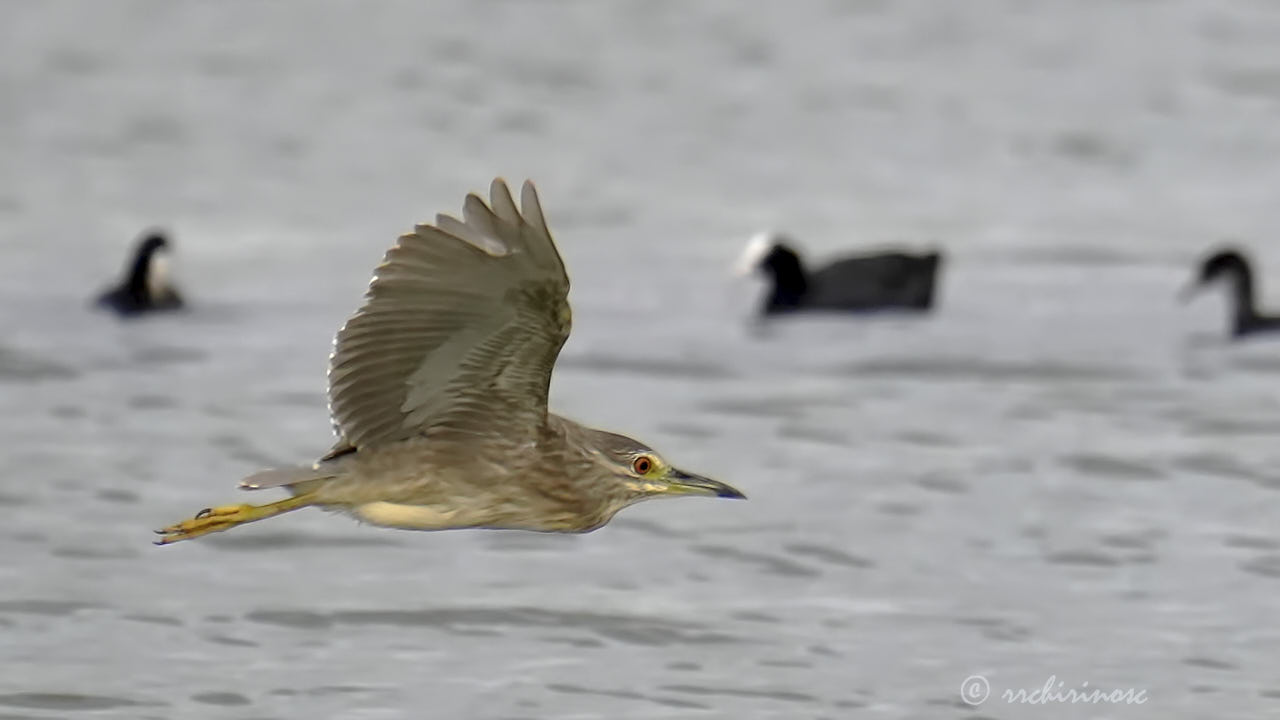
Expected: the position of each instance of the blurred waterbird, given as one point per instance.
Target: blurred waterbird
(146, 285)
(863, 283)
(438, 393)
(1232, 267)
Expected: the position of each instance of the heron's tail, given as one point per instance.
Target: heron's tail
(297, 479)
(217, 519)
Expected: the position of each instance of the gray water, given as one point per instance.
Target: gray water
(1060, 474)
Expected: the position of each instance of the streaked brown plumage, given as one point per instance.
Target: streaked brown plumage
(438, 391)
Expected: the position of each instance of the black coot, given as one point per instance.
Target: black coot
(146, 284)
(862, 283)
(1232, 267)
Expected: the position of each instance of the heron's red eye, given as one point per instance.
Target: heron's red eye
(642, 465)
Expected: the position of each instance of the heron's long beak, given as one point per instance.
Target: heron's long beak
(1188, 291)
(683, 483)
(755, 251)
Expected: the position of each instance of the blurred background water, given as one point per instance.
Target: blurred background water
(1061, 472)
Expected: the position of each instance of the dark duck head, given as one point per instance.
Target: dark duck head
(863, 283)
(1231, 267)
(146, 285)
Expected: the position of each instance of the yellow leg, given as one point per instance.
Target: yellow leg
(211, 520)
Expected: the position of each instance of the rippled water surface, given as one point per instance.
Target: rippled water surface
(1061, 473)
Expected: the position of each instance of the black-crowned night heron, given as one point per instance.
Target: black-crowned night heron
(438, 391)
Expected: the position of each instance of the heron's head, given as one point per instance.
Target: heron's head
(767, 252)
(644, 474)
(1226, 264)
(152, 241)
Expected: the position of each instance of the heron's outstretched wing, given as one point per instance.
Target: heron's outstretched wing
(460, 328)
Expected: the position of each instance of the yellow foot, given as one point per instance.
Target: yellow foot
(209, 520)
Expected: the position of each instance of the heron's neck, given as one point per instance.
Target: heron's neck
(137, 282)
(1244, 311)
(790, 283)
(156, 283)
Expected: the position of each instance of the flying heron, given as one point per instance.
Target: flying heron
(438, 394)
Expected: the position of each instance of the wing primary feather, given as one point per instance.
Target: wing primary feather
(503, 205)
(531, 209)
(479, 217)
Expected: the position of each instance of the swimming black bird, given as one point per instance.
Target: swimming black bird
(1231, 266)
(146, 284)
(864, 283)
